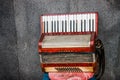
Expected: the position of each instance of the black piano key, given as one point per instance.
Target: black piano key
(70, 26)
(47, 27)
(81, 26)
(73, 26)
(52, 26)
(57, 26)
(89, 25)
(76, 27)
(44, 26)
(62, 26)
(85, 25)
(65, 26)
(92, 24)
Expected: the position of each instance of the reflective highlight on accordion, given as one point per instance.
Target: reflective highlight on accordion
(67, 42)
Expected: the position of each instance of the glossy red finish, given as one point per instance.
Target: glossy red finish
(96, 24)
(68, 64)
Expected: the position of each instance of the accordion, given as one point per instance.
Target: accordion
(67, 42)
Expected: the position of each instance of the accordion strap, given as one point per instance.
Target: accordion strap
(100, 57)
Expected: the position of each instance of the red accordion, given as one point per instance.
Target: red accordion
(67, 42)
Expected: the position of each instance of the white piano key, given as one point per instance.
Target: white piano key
(68, 25)
(91, 22)
(86, 22)
(88, 17)
(91, 17)
(79, 22)
(64, 23)
(72, 23)
(45, 24)
(60, 23)
(94, 21)
(62, 18)
(52, 23)
(74, 19)
(49, 26)
(71, 18)
(83, 22)
(67, 28)
(55, 23)
(76, 22)
(48, 22)
(59, 19)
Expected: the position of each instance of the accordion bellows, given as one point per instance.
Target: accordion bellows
(72, 42)
(68, 62)
(67, 42)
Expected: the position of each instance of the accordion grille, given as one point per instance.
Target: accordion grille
(68, 69)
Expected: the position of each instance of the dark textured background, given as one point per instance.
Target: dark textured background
(20, 28)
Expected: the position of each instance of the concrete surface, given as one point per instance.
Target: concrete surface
(20, 32)
(9, 65)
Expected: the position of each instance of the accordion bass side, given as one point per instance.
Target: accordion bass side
(67, 42)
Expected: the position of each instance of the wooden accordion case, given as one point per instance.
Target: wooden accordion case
(67, 42)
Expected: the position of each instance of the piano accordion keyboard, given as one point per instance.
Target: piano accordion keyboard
(69, 23)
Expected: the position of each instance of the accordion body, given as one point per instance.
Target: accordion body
(67, 42)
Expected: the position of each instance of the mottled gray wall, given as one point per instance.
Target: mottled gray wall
(9, 69)
(21, 28)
